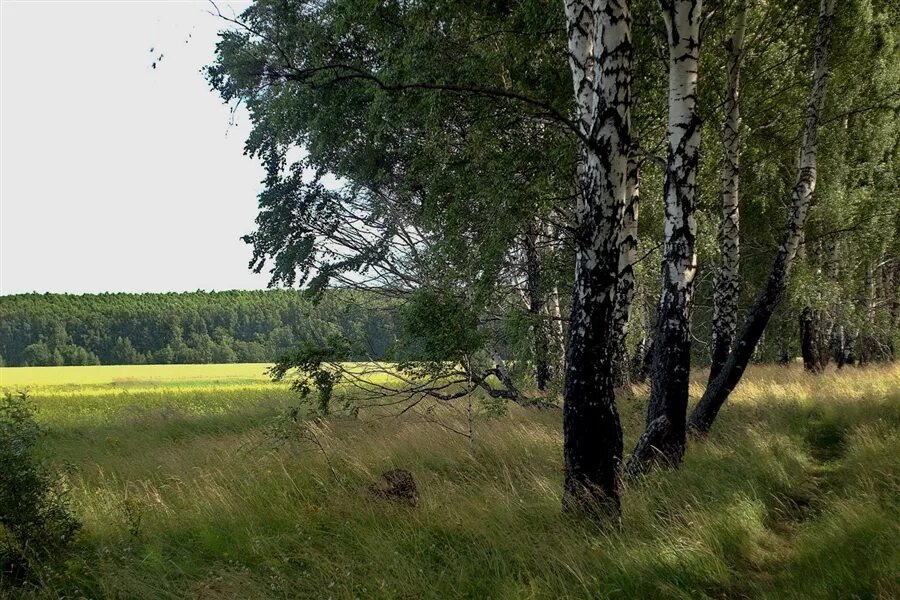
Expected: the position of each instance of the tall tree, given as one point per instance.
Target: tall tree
(627, 285)
(664, 439)
(536, 299)
(600, 57)
(727, 285)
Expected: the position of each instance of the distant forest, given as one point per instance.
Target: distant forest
(194, 327)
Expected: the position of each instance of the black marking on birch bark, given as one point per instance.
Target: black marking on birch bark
(664, 440)
(592, 433)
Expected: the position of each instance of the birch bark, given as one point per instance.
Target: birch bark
(664, 438)
(727, 286)
(535, 296)
(600, 52)
(627, 283)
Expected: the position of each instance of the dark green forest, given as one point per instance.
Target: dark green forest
(194, 327)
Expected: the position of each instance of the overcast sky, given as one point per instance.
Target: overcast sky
(115, 176)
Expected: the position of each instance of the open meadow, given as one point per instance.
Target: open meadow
(186, 487)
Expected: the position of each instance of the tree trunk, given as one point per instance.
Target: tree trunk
(727, 286)
(664, 438)
(643, 361)
(868, 344)
(718, 390)
(558, 332)
(839, 346)
(627, 283)
(812, 345)
(534, 292)
(643, 354)
(600, 50)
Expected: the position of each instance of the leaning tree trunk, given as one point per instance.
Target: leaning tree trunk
(599, 37)
(664, 439)
(534, 292)
(627, 283)
(727, 286)
(718, 390)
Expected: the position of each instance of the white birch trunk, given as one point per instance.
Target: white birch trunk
(600, 51)
(664, 439)
(727, 286)
(558, 347)
(627, 282)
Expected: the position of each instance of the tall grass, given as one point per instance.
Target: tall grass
(184, 494)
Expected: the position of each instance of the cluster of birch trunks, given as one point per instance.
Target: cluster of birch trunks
(601, 57)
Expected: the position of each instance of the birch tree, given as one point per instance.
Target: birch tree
(536, 301)
(664, 438)
(627, 285)
(600, 56)
(718, 390)
(727, 285)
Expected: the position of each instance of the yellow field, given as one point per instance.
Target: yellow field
(110, 375)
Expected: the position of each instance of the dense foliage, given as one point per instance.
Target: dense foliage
(196, 327)
(394, 170)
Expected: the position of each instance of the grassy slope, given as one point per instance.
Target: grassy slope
(183, 494)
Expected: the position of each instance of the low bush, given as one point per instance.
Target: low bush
(35, 520)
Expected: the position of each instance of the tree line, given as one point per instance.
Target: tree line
(194, 327)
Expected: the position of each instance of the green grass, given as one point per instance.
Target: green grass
(183, 494)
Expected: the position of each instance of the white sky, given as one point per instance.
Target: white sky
(115, 176)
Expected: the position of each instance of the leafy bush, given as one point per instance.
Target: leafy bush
(35, 521)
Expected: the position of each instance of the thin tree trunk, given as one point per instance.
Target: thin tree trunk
(839, 346)
(643, 355)
(534, 292)
(867, 340)
(559, 336)
(627, 283)
(558, 352)
(643, 361)
(600, 50)
(664, 439)
(718, 390)
(727, 286)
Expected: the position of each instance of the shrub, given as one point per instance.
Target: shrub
(35, 521)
